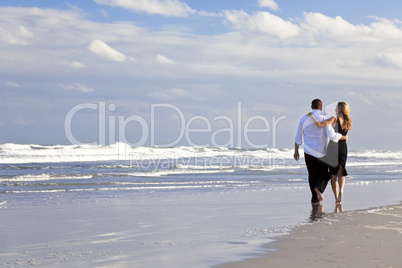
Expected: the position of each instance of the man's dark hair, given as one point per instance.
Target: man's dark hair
(315, 104)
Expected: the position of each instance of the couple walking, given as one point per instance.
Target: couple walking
(324, 161)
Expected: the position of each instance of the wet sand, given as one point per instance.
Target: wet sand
(366, 238)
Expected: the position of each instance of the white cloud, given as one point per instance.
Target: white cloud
(339, 31)
(24, 32)
(262, 22)
(104, 13)
(164, 60)
(323, 26)
(171, 8)
(271, 4)
(386, 29)
(18, 36)
(208, 14)
(77, 64)
(348, 63)
(72, 64)
(24, 122)
(101, 48)
(168, 95)
(393, 60)
(178, 92)
(12, 84)
(315, 28)
(77, 86)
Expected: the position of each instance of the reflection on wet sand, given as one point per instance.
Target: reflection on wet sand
(317, 211)
(338, 208)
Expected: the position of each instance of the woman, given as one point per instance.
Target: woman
(342, 123)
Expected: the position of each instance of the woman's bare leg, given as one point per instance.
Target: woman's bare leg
(341, 182)
(334, 185)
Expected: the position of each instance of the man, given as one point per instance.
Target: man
(315, 147)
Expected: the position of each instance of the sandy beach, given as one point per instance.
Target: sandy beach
(201, 231)
(365, 238)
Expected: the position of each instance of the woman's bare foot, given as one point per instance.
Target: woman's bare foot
(338, 208)
(319, 195)
(339, 199)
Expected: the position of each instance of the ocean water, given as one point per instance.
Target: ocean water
(116, 205)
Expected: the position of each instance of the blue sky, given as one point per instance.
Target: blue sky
(197, 72)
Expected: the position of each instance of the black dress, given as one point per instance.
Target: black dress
(338, 151)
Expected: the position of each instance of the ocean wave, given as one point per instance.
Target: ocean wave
(134, 186)
(19, 153)
(373, 163)
(32, 153)
(160, 173)
(203, 167)
(44, 177)
(365, 183)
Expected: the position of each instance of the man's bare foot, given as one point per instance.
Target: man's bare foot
(319, 195)
(339, 199)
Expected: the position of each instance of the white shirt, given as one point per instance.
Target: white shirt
(315, 138)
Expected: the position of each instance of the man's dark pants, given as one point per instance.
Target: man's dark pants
(318, 175)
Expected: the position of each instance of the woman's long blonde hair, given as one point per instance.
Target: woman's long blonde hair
(347, 119)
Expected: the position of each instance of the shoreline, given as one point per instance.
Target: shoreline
(186, 230)
(356, 238)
